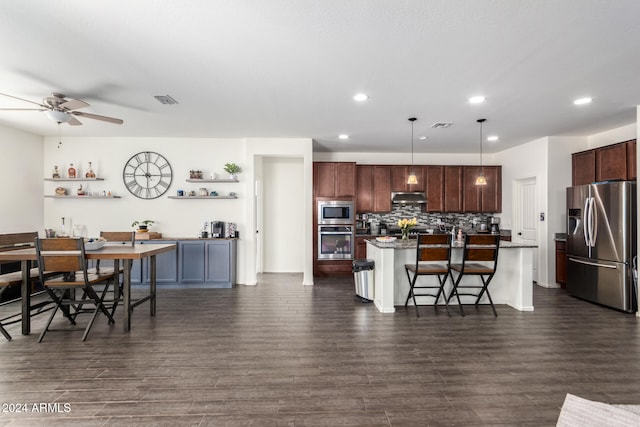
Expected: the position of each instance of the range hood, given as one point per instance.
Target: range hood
(411, 198)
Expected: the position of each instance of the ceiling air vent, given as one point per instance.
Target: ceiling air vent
(441, 125)
(165, 99)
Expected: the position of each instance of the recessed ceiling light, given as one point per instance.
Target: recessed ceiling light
(582, 101)
(361, 97)
(477, 99)
(422, 138)
(492, 138)
(343, 136)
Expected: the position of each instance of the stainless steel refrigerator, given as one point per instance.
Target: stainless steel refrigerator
(601, 243)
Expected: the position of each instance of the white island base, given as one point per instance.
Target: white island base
(511, 285)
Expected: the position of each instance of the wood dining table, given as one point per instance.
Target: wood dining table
(119, 253)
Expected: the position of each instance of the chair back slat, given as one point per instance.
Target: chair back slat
(481, 247)
(119, 236)
(481, 254)
(61, 255)
(433, 247)
(433, 254)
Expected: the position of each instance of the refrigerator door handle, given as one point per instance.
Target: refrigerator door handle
(585, 220)
(590, 220)
(593, 264)
(594, 223)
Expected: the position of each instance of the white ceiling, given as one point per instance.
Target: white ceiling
(282, 68)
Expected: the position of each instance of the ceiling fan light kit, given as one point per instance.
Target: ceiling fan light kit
(61, 110)
(57, 116)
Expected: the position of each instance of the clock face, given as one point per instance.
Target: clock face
(147, 175)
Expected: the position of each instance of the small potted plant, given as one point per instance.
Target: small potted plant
(232, 169)
(143, 226)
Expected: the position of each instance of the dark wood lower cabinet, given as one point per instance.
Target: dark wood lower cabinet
(332, 267)
(561, 262)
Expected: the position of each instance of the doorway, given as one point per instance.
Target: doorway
(282, 219)
(526, 216)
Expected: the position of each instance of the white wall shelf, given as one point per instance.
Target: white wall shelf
(213, 180)
(73, 179)
(203, 197)
(53, 196)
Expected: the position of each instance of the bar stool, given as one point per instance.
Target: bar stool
(480, 258)
(433, 258)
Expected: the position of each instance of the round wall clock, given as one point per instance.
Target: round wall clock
(147, 175)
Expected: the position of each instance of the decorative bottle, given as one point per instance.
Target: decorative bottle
(71, 171)
(90, 173)
(56, 173)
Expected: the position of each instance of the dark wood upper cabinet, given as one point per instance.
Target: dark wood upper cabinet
(364, 188)
(632, 168)
(334, 179)
(434, 180)
(400, 174)
(471, 197)
(611, 162)
(583, 167)
(487, 198)
(491, 194)
(382, 189)
(453, 188)
(345, 179)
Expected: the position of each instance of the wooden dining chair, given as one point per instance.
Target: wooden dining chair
(125, 238)
(66, 256)
(479, 258)
(433, 258)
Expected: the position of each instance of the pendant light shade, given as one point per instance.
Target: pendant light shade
(481, 180)
(412, 176)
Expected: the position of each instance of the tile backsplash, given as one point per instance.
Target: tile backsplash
(433, 220)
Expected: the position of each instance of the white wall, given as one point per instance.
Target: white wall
(405, 158)
(174, 218)
(283, 218)
(612, 136)
(21, 209)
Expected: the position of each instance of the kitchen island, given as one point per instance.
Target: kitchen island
(511, 285)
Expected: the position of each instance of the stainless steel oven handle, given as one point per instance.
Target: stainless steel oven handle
(593, 264)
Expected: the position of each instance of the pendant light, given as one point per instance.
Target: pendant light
(412, 176)
(481, 180)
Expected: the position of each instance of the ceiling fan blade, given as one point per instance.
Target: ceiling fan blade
(23, 109)
(73, 104)
(97, 117)
(22, 99)
(74, 122)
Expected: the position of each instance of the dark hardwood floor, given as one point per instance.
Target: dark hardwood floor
(280, 354)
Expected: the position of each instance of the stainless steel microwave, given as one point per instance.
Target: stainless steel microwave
(336, 212)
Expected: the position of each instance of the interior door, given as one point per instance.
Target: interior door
(527, 221)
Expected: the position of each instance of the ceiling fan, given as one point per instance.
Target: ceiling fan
(62, 110)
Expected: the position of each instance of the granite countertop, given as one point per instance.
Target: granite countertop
(560, 237)
(186, 238)
(411, 244)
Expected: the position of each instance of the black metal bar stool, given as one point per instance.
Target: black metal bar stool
(480, 258)
(433, 258)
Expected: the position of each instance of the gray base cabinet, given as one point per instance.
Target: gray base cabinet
(208, 263)
(195, 263)
(166, 265)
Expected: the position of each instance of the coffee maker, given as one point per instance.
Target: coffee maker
(217, 229)
(493, 223)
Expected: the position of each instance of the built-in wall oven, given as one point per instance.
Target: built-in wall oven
(336, 241)
(336, 229)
